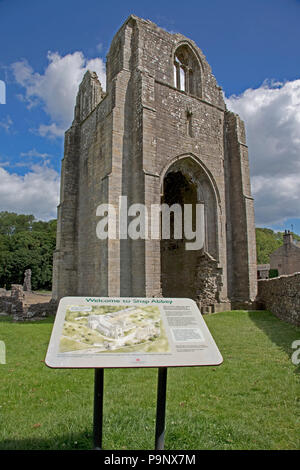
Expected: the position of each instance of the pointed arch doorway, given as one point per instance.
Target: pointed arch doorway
(190, 273)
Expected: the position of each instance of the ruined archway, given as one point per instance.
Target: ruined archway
(190, 273)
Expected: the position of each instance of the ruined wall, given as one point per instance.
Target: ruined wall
(240, 222)
(281, 296)
(14, 303)
(124, 142)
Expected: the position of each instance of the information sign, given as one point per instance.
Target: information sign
(102, 332)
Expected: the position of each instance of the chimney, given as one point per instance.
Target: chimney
(287, 238)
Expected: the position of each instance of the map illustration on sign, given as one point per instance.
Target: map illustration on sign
(108, 332)
(101, 329)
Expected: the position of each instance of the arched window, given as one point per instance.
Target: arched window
(187, 74)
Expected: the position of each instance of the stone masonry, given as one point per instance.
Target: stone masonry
(22, 305)
(286, 259)
(281, 296)
(27, 281)
(161, 131)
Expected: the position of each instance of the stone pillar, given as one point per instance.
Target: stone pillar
(64, 281)
(17, 298)
(17, 292)
(27, 281)
(240, 207)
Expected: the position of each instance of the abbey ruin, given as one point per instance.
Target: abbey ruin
(160, 132)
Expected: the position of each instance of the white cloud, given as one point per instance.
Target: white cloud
(36, 193)
(57, 87)
(272, 118)
(6, 123)
(34, 153)
(271, 113)
(51, 130)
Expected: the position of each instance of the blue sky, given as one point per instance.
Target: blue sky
(252, 47)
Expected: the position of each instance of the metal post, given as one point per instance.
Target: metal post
(98, 408)
(161, 408)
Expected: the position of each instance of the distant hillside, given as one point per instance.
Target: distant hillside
(268, 241)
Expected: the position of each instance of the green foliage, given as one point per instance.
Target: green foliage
(268, 241)
(11, 223)
(26, 244)
(273, 273)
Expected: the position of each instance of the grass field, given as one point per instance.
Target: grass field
(251, 401)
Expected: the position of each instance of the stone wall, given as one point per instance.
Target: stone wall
(14, 303)
(44, 309)
(125, 142)
(208, 280)
(281, 296)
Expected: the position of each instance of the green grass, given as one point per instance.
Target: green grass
(251, 401)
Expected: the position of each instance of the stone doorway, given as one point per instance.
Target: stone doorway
(190, 273)
(178, 265)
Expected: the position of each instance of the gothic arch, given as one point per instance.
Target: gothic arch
(195, 274)
(193, 158)
(200, 178)
(187, 69)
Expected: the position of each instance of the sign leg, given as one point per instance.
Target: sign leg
(98, 408)
(161, 408)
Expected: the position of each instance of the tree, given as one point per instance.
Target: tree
(268, 241)
(26, 244)
(11, 223)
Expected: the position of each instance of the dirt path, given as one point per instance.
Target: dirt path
(36, 298)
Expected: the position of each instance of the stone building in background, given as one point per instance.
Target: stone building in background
(263, 271)
(160, 133)
(286, 259)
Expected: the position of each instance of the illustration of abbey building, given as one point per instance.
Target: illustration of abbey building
(160, 133)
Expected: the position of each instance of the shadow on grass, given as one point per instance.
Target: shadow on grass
(37, 320)
(279, 332)
(80, 441)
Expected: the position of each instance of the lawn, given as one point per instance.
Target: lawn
(251, 401)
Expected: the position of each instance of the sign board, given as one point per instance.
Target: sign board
(94, 332)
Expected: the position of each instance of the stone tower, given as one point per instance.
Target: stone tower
(160, 133)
